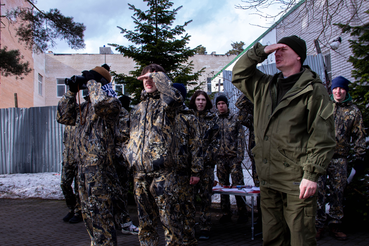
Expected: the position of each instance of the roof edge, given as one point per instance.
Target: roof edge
(261, 36)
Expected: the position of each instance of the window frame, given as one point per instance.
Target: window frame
(58, 85)
(39, 83)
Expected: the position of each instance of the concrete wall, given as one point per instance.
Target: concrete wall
(66, 65)
(212, 63)
(39, 68)
(10, 85)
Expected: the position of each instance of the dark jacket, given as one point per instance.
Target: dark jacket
(294, 141)
(187, 144)
(151, 127)
(232, 136)
(245, 115)
(95, 132)
(209, 131)
(349, 129)
(122, 134)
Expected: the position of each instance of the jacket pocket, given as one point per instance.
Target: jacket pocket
(286, 168)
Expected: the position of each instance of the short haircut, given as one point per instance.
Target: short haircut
(152, 68)
(192, 104)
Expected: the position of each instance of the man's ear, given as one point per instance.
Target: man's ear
(298, 58)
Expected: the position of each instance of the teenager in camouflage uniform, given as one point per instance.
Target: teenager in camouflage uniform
(95, 148)
(246, 117)
(69, 173)
(349, 129)
(209, 131)
(188, 160)
(149, 155)
(121, 215)
(230, 157)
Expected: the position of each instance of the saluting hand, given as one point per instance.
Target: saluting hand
(273, 47)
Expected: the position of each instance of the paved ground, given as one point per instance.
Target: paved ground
(39, 222)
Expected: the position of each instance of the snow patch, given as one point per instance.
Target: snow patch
(31, 185)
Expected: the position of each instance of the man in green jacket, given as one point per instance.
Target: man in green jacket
(294, 135)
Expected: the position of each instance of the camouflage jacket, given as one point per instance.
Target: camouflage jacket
(187, 145)
(232, 136)
(69, 145)
(209, 131)
(245, 115)
(349, 128)
(151, 127)
(95, 132)
(122, 133)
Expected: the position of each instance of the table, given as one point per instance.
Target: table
(253, 192)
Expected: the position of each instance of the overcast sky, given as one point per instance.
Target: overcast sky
(215, 23)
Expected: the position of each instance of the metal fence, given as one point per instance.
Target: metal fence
(31, 140)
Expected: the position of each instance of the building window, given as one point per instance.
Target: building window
(119, 88)
(40, 78)
(208, 82)
(61, 88)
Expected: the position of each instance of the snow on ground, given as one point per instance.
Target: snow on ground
(47, 186)
(31, 185)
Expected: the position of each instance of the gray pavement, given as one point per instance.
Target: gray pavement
(39, 222)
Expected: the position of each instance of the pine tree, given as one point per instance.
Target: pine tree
(11, 64)
(357, 192)
(38, 30)
(201, 50)
(237, 48)
(155, 41)
(359, 59)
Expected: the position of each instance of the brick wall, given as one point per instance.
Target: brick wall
(10, 85)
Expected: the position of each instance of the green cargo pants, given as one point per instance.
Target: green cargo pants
(287, 220)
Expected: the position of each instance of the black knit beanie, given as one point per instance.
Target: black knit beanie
(221, 98)
(181, 88)
(297, 44)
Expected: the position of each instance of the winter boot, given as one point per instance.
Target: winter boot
(336, 231)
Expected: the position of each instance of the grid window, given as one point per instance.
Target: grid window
(40, 78)
(61, 88)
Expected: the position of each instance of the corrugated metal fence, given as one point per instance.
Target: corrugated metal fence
(31, 140)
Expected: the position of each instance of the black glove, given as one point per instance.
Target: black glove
(88, 75)
(125, 101)
(73, 87)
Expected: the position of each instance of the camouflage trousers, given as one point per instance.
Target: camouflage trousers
(255, 176)
(205, 190)
(331, 187)
(155, 200)
(228, 166)
(182, 194)
(121, 214)
(70, 173)
(96, 192)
